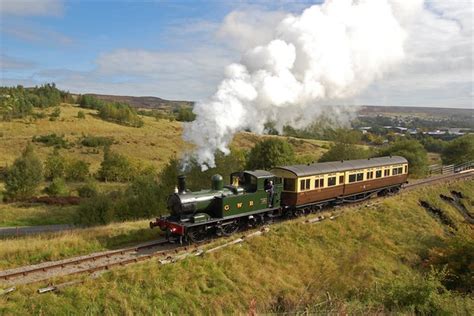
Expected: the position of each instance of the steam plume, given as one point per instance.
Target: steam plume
(329, 52)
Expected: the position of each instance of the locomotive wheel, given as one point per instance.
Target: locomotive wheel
(197, 234)
(230, 229)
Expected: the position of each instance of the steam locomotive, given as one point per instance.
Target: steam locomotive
(256, 197)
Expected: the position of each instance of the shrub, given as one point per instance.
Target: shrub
(413, 151)
(459, 150)
(115, 167)
(57, 187)
(342, 151)
(55, 165)
(120, 113)
(55, 114)
(96, 141)
(81, 115)
(269, 153)
(77, 170)
(88, 190)
(185, 114)
(98, 210)
(52, 140)
(25, 175)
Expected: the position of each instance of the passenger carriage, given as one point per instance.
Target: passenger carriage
(340, 181)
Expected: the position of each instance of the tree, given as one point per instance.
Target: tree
(413, 151)
(114, 167)
(55, 165)
(25, 175)
(57, 188)
(344, 147)
(459, 150)
(270, 153)
(344, 151)
(77, 170)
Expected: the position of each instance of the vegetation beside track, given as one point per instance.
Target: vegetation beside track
(27, 250)
(392, 256)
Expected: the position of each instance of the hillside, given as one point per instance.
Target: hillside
(145, 102)
(369, 260)
(153, 144)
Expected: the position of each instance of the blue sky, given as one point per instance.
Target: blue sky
(179, 49)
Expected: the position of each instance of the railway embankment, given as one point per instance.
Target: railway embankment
(392, 255)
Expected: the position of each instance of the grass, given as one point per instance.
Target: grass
(18, 214)
(369, 260)
(26, 250)
(154, 143)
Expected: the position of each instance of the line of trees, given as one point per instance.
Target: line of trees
(117, 112)
(19, 102)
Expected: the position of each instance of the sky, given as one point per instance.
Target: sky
(179, 49)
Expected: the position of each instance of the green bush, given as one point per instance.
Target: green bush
(24, 176)
(459, 150)
(342, 151)
(185, 114)
(55, 165)
(98, 210)
(55, 114)
(81, 115)
(96, 141)
(269, 153)
(57, 187)
(115, 167)
(57, 141)
(413, 151)
(88, 190)
(77, 170)
(120, 113)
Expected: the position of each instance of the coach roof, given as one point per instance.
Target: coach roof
(338, 166)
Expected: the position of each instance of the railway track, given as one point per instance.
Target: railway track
(157, 249)
(90, 263)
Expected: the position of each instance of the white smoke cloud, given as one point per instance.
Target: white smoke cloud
(329, 52)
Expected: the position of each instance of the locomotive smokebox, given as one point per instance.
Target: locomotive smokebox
(181, 184)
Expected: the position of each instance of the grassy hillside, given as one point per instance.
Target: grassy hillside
(154, 143)
(370, 260)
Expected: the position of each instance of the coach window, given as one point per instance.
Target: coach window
(289, 184)
(341, 179)
(318, 183)
(400, 170)
(370, 175)
(386, 172)
(352, 178)
(395, 171)
(331, 181)
(360, 176)
(305, 184)
(406, 168)
(378, 173)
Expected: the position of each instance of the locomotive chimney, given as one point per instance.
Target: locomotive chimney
(181, 184)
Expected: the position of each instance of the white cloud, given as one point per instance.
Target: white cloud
(32, 7)
(8, 63)
(38, 34)
(438, 70)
